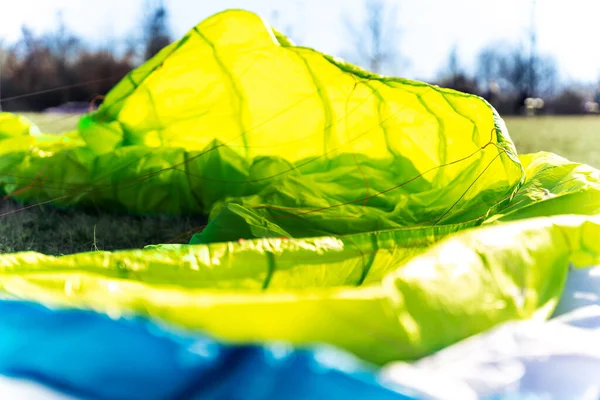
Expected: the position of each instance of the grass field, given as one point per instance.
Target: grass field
(575, 138)
(50, 231)
(53, 123)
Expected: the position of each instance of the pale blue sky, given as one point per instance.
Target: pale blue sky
(567, 29)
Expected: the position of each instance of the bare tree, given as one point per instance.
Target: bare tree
(489, 66)
(532, 77)
(529, 76)
(63, 44)
(53, 68)
(376, 38)
(545, 71)
(518, 73)
(533, 74)
(2, 58)
(453, 69)
(156, 30)
(453, 75)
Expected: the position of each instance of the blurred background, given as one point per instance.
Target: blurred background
(534, 59)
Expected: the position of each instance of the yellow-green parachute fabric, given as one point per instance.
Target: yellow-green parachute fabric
(233, 113)
(385, 216)
(383, 296)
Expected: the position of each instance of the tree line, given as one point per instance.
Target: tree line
(50, 69)
(515, 79)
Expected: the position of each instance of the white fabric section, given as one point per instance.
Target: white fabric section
(582, 289)
(533, 360)
(555, 360)
(18, 389)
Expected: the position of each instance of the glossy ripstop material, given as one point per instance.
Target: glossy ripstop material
(411, 299)
(344, 207)
(234, 113)
(91, 356)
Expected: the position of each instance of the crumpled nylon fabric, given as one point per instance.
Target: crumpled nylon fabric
(382, 296)
(15, 126)
(387, 217)
(234, 113)
(91, 356)
(551, 360)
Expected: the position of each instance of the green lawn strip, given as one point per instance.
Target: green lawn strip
(55, 232)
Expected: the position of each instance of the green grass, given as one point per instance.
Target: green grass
(53, 123)
(51, 231)
(575, 138)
